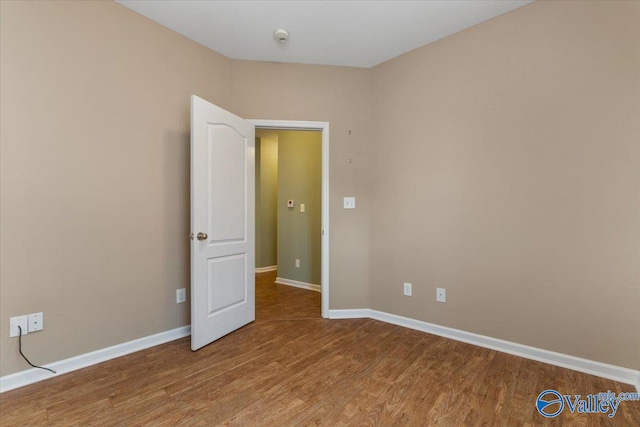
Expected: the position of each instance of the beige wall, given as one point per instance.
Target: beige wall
(341, 96)
(95, 169)
(507, 170)
(501, 163)
(95, 173)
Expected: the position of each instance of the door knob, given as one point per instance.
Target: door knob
(202, 236)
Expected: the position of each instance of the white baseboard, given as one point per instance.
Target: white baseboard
(612, 372)
(296, 284)
(591, 367)
(33, 375)
(266, 269)
(353, 313)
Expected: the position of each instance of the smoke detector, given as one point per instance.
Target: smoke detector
(281, 35)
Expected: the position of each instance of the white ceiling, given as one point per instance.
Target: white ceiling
(350, 33)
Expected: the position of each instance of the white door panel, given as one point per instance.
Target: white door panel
(227, 183)
(222, 222)
(224, 272)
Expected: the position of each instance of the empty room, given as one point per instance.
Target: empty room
(461, 247)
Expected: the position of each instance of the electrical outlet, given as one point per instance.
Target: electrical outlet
(441, 295)
(36, 322)
(14, 322)
(297, 263)
(181, 295)
(407, 289)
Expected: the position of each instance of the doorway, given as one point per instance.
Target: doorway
(297, 205)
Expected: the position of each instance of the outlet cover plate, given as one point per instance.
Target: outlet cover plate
(36, 322)
(407, 290)
(14, 322)
(181, 295)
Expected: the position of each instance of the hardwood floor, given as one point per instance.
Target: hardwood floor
(292, 368)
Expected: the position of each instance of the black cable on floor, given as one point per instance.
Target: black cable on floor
(25, 357)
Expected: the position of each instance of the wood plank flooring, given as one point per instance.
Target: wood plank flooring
(292, 368)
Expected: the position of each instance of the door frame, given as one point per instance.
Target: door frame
(324, 241)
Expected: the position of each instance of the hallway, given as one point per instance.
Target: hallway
(280, 302)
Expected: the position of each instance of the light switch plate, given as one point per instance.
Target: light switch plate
(349, 202)
(441, 295)
(302, 207)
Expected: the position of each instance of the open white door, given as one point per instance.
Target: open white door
(222, 222)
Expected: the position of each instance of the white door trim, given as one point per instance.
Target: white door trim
(324, 127)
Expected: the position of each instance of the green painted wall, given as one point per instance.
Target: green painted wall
(266, 198)
(300, 179)
(258, 222)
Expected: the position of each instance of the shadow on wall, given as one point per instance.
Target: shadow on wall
(177, 157)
